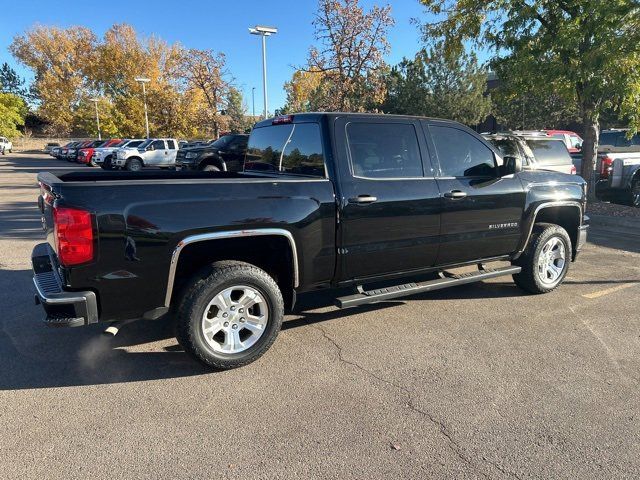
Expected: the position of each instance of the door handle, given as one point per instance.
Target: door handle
(455, 194)
(363, 199)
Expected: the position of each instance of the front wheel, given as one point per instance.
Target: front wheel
(134, 165)
(545, 261)
(230, 315)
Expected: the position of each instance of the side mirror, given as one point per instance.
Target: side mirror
(512, 165)
(149, 148)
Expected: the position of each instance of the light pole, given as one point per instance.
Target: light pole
(144, 81)
(95, 100)
(253, 102)
(264, 32)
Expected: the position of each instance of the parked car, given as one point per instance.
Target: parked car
(85, 155)
(154, 152)
(103, 155)
(5, 145)
(572, 140)
(62, 152)
(49, 147)
(618, 167)
(72, 152)
(350, 200)
(536, 152)
(223, 155)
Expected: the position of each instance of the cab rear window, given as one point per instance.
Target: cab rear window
(294, 149)
(550, 152)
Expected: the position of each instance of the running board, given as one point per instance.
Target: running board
(381, 294)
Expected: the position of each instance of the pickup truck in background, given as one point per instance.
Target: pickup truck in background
(225, 154)
(5, 145)
(102, 156)
(153, 152)
(618, 168)
(325, 200)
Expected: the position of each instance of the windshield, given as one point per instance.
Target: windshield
(222, 141)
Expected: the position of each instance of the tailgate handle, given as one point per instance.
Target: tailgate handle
(455, 194)
(363, 199)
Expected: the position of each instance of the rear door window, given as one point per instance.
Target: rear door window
(171, 145)
(294, 149)
(384, 150)
(550, 152)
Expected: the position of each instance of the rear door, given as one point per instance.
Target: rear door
(170, 153)
(389, 200)
(481, 210)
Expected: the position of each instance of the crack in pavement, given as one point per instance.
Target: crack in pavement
(452, 444)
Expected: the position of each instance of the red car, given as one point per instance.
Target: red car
(86, 154)
(572, 140)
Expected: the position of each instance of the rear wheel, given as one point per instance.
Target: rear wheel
(134, 165)
(545, 261)
(634, 193)
(230, 315)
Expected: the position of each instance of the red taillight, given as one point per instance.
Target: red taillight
(606, 165)
(73, 235)
(573, 170)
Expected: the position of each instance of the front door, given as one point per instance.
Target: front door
(481, 209)
(156, 156)
(389, 201)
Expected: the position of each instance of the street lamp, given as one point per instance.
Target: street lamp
(95, 100)
(144, 81)
(264, 32)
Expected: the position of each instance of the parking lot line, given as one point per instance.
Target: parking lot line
(602, 293)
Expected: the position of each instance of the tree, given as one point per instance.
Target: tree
(206, 71)
(236, 112)
(10, 81)
(57, 57)
(534, 106)
(590, 46)
(437, 85)
(13, 110)
(349, 57)
(302, 91)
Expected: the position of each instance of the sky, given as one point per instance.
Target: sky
(213, 24)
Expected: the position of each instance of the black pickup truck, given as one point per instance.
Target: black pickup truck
(325, 200)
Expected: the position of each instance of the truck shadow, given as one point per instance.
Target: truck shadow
(34, 356)
(21, 220)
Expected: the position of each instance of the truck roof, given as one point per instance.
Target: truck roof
(316, 116)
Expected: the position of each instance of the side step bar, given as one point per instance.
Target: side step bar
(381, 294)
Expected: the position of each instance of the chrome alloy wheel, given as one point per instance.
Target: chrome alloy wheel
(635, 193)
(551, 261)
(235, 319)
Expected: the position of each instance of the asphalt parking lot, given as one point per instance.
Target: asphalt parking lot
(479, 381)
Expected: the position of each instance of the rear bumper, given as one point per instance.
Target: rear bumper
(63, 308)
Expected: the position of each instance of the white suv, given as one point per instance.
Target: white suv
(5, 145)
(103, 156)
(154, 152)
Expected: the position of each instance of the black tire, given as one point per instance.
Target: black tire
(134, 165)
(203, 289)
(634, 193)
(531, 277)
(209, 168)
(106, 164)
